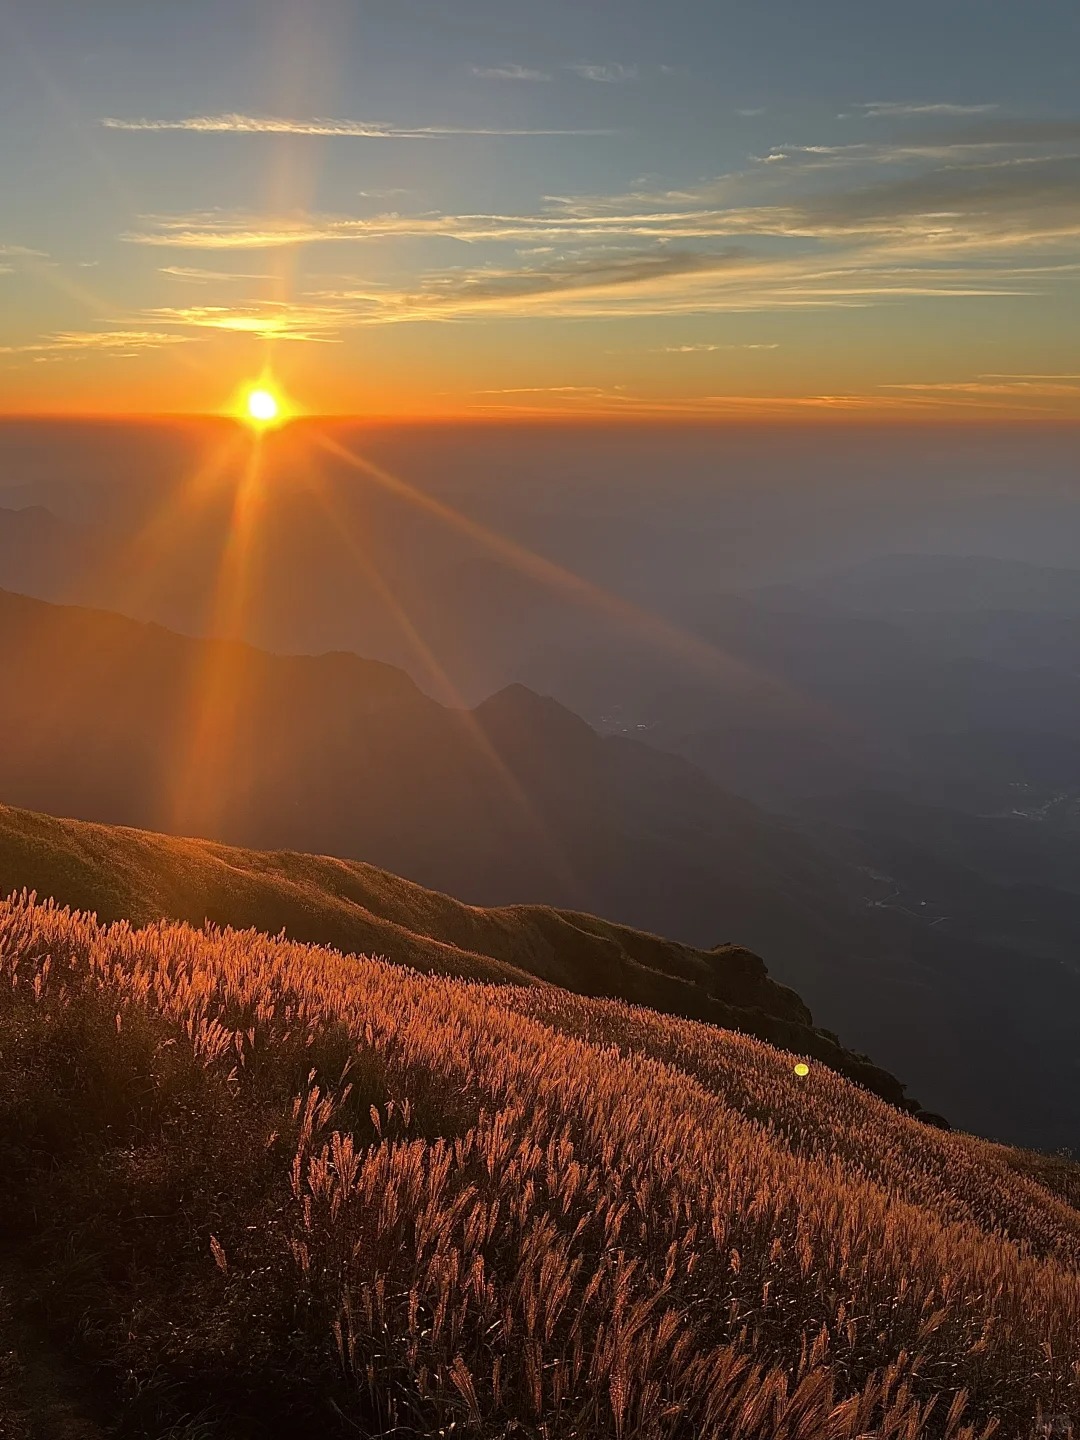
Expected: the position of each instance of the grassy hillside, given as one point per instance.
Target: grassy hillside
(267, 1190)
(122, 874)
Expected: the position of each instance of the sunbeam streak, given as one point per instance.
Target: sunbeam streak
(209, 758)
(696, 652)
(133, 587)
(553, 850)
(135, 581)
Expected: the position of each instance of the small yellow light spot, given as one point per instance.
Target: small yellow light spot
(801, 1069)
(262, 407)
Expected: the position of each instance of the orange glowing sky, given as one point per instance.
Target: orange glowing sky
(482, 210)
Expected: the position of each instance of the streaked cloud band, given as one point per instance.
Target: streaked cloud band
(234, 124)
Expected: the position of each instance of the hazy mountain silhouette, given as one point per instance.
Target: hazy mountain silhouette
(520, 801)
(517, 799)
(853, 664)
(39, 552)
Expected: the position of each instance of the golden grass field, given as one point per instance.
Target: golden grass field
(270, 1189)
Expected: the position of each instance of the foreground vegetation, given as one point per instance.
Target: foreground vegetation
(263, 1189)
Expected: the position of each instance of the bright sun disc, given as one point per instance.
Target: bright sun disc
(262, 407)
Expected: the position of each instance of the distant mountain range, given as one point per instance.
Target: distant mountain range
(519, 800)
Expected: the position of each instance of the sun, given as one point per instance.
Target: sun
(261, 404)
(261, 407)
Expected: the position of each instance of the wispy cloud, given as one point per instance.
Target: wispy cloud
(996, 140)
(118, 343)
(568, 391)
(554, 401)
(509, 72)
(975, 208)
(901, 109)
(995, 375)
(991, 204)
(13, 257)
(355, 129)
(198, 276)
(1013, 199)
(1019, 386)
(707, 348)
(602, 272)
(219, 231)
(269, 321)
(760, 407)
(611, 73)
(690, 283)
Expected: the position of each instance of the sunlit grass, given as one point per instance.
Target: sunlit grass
(444, 1205)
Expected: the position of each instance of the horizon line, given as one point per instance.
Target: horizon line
(797, 416)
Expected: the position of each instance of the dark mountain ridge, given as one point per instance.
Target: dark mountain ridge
(118, 874)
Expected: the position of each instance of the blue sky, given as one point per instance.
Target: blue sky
(471, 207)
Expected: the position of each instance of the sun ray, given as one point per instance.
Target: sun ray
(526, 811)
(204, 773)
(130, 580)
(108, 585)
(700, 654)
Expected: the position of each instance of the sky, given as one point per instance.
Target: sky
(492, 208)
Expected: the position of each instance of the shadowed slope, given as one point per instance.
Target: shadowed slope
(124, 874)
